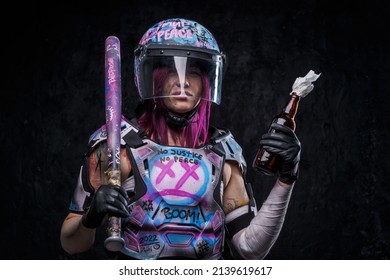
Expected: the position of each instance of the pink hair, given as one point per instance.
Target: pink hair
(152, 120)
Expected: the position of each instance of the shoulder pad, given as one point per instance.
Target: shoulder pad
(232, 149)
(101, 134)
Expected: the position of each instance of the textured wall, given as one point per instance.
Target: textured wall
(340, 205)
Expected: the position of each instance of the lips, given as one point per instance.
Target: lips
(179, 94)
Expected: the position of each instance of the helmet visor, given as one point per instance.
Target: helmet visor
(184, 77)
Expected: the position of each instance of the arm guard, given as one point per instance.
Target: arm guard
(255, 241)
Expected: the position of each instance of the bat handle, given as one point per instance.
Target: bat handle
(114, 241)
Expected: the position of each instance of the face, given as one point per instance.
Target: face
(184, 92)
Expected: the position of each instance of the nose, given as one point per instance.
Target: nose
(184, 84)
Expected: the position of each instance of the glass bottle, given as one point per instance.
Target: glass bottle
(269, 163)
(264, 161)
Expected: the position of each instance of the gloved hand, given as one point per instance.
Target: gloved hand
(108, 199)
(286, 145)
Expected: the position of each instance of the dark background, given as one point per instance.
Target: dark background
(54, 62)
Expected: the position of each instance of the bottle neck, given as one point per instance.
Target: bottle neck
(292, 106)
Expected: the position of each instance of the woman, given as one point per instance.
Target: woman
(184, 193)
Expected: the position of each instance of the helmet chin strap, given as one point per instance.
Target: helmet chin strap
(177, 121)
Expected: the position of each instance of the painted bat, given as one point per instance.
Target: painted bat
(113, 105)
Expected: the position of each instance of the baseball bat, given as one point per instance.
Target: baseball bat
(113, 105)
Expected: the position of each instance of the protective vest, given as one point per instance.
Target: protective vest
(175, 195)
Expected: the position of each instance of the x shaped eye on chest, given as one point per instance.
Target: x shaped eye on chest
(166, 169)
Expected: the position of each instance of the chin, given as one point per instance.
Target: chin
(181, 108)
